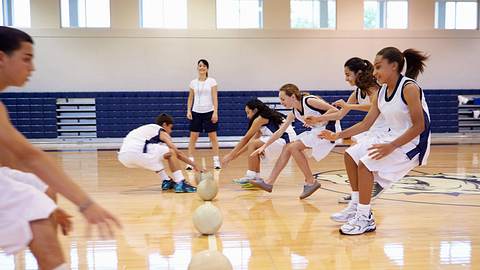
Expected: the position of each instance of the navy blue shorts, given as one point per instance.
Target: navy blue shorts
(202, 122)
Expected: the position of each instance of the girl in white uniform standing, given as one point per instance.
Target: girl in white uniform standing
(303, 106)
(389, 157)
(263, 123)
(202, 111)
(359, 73)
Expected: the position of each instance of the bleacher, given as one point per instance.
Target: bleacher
(34, 114)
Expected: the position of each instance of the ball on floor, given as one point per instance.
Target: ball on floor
(207, 219)
(211, 260)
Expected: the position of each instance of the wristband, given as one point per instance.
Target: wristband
(84, 206)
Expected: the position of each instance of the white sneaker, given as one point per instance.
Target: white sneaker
(216, 163)
(244, 180)
(346, 214)
(359, 224)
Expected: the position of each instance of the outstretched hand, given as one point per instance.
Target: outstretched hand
(328, 135)
(103, 219)
(260, 151)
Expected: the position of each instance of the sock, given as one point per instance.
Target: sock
(163, 175)
(355, 196)
(61, 267)
(178, 176)
(191, 158)
(364, 209)
(257, 175)
(250, 174)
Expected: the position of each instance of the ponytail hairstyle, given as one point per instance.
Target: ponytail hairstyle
(264, 111)
(363, 70)
(291, 89)
(415, 60)
(205, 62)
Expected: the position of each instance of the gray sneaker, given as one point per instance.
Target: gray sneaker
(242, 181)
(359, 224)
(376, 191)
(261, 184)
(309, 190)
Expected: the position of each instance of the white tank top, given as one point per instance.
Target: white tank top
(380, 125)
(137, 139)
(308, 110)
(397, 116)
(289, 135)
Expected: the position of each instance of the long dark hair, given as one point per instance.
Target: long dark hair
(264, 111)
(363, 70)
(415, 60)
(205, 62)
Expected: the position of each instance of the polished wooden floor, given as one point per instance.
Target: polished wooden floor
(430, 220)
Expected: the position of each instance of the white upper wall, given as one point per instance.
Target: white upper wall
(128, 58)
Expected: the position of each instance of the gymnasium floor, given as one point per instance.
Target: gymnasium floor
(429, 220)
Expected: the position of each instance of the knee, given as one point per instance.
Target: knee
(291, 148)
(168, 155)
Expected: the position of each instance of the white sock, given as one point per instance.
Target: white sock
(216, 158)
(61, 267)
(355, 196)
(178, 176)
(163, 175)
(364, 209)
(251, 174)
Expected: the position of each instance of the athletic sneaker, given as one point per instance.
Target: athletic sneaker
(184, 187)
(346, 214)
(309, 190)
(261, 184)
(216, 163)
(168, 184)
(376, 191)
(359, 224)
(242, 181)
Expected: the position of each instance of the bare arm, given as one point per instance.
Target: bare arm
(36, 161)
(358, 128)
(275, 136)
(331, 113)
(252, 131)
(215, 104)
(181, 156)
(191, 95)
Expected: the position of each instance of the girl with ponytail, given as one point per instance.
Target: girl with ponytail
(386, 157)
(359, 73)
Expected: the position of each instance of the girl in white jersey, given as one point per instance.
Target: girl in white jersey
(263, 123)
(303, 106)
(202, 111)
(359, 73)
(389, 157)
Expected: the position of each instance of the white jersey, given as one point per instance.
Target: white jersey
(380, 125)
(268, 129)
(395, 111)
(138, 139)
(202, 99)
(308, 110)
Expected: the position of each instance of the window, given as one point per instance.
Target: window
(85, 13)
(163, 13)
(239, 13)
(312, 14)
(385, 14)
(456, 14)
(15, 13)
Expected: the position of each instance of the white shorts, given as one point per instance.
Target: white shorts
(152, 160)
(320, 148)
(273, 151)
(20, 204)
(387, 170)
(24, 177)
